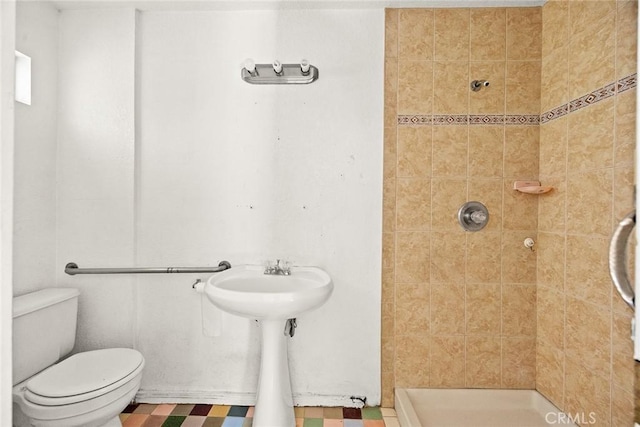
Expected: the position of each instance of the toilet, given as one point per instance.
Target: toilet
(88, 389)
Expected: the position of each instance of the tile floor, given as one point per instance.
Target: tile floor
(147, 415)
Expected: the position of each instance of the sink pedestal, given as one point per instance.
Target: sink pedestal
(271, 298)
(274, 404)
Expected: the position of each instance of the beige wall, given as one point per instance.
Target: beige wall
(459, 307)
(478, 309)
(584, 354)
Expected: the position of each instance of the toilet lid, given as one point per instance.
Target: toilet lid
(84, 373)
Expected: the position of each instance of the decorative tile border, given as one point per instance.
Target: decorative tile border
(622, 85)
(414, 120)
(627, 83)
(451, 119)
(557, 112)
(486, 119)
(532, 119)
(464, 119)
(591, 98)
(597, 95)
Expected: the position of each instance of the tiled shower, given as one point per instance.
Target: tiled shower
(481, 310)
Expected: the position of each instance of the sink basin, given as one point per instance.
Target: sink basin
(246, 291)
(272, 299)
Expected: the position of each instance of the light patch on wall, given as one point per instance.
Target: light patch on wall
(23, 78)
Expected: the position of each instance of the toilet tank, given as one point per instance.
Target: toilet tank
(44, 329)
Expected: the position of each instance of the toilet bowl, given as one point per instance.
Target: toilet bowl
(88, 389)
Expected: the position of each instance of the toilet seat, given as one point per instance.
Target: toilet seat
(83, 376)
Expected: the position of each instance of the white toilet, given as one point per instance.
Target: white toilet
(88, 389)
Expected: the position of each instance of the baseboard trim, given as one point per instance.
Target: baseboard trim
(216, 397)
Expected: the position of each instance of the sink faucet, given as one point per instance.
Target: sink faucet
(278, 269)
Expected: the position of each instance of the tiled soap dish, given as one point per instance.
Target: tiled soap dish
(530, 187)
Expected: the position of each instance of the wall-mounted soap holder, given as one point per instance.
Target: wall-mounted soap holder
(531, 187)
(278, 73)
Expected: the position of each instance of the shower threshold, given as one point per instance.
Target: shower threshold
(479, 408)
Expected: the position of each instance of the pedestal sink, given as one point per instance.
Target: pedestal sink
(272, 299)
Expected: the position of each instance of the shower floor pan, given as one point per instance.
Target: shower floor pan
(476, 408)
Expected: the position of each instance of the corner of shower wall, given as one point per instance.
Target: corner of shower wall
(587, 145)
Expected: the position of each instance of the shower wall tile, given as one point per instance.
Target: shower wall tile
(519, 362)
(390, 93)
(592, 46)
(589, 203)
(482, 306)
(450, 150)
(554, 79)
(621, 364)
(483, 362)
(451, 94)
(448, 254)
(391, 33)
(555, 21)
(624, 194)
(451, 34)
(388, 251)
(625, 128)
(387, 387)
(483, 257)
(389, 205)
(412, 361)
(388, 288)
(524, 29)
(447, 195)
(448, 312)
(413, 201)
(447, 362)
(491, 99)
(488, 33)
(414, 151)
(626, 40)
(551, 314)
(486, 145)
(551, 260)
(415, 87)
(523, 87)
(522, 145)
(622, 407)
(553, 148)
(412, 308)
(590, 16)
(415, 34)
(588, 336)
(587, 393)
(591, 137)
(390, 153)
(550, 372)
(587, 272)
(412, 251)
(552, 207)
(519, 311)
(388, 322)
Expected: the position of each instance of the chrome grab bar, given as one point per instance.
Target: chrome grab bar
(73, 269)
(618, 258)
